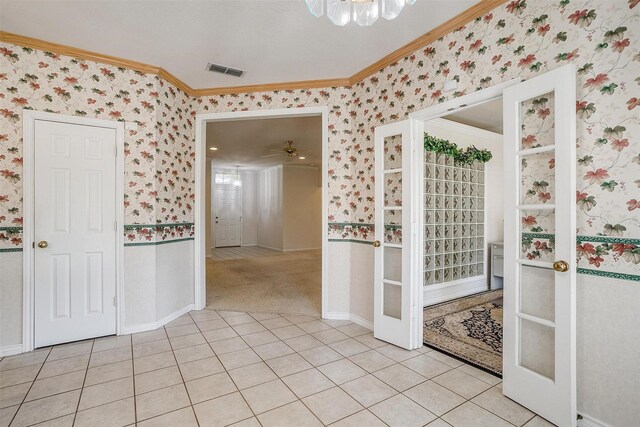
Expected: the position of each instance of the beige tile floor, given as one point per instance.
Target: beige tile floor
(218, 368)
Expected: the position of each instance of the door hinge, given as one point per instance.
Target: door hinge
(115, 225)
(115, 149)
(114, 301)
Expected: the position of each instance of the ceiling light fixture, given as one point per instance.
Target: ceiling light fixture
(302, 157)
(363, 12)
(213, 148)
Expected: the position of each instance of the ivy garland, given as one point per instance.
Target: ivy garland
(464, 156)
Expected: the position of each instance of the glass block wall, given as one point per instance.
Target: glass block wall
(454, 219)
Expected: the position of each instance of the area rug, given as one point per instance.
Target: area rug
(469, 328)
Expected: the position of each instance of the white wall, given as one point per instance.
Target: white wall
(465, 136)
(270, 214)
(302, 208)
(249, 207)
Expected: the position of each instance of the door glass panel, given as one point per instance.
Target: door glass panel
(537, 121)
(393, 226)
(393, 152)
(537, 348)
(538, 238)
(393, 189)
(392, 264)
(537, 181)
(392, 300)
(537, 292)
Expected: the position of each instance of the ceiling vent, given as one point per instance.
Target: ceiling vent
(216, 68)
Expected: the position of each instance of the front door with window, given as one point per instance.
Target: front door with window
(227, 211)
(74, 230)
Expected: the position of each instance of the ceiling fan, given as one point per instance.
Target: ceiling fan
(289, 152)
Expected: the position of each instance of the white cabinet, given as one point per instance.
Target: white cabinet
(497, 265)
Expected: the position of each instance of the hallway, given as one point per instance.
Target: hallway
(262, 280)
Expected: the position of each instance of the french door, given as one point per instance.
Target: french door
(539, 248)
(397, 315)
(74, 230)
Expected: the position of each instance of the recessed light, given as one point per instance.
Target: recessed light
(302, 157)
(213, 148)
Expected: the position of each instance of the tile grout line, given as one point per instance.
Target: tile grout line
(84, 380)
(30, 387)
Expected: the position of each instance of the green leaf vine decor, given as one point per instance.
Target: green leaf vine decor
(464, 156)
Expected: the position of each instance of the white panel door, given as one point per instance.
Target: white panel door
(397, 317)
(228, 215)
(539, 245)
(75, 237)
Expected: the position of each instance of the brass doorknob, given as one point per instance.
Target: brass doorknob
(43, 244)
(561, 266)
(376, 244)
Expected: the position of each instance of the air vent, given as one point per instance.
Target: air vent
(216, 68)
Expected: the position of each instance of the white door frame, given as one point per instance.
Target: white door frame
(29, 118)
(200, 188)
(417, 120)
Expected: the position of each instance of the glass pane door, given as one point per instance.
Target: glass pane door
(393, 296)
(539, 284)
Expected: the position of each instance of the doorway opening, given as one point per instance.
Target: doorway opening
(263, 224)
(463, 236)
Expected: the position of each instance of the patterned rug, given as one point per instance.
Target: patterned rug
(469, 328)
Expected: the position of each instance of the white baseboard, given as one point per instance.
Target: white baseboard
(302, 249)
(588, 421)
(10, 350)
(270, 247)
(362, 322)
(452, 291)
(150, 326)
(337, 315)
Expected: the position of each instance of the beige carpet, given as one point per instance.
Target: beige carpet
(469, 328)
(285, 282)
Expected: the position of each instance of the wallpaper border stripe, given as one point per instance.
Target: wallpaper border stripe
(159, 242)
(176, 224)
(609, 274)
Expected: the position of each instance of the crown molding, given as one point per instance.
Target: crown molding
(458, 21)
(305, 84)
(478, 9)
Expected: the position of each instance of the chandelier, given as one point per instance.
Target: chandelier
(362, 12)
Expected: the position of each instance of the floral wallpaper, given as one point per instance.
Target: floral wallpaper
(520, 40)
(158, 154)
(517, 40)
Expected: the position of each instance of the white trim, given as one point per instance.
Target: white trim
(10, 350)
(337, 315)
(150, 326)
(360, 321)
(199, 203)
(462, 103)
(29, 118)
(467, 129)
(302, 249)
(589, 421)
(434, 294)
